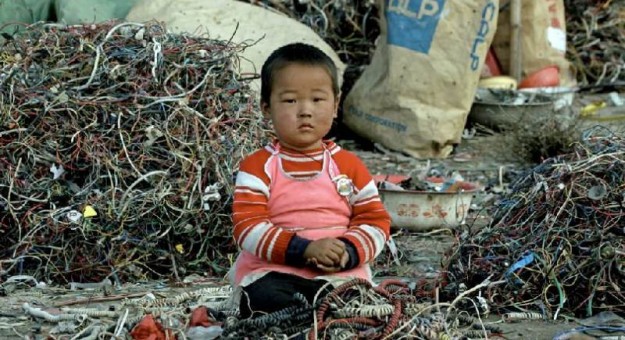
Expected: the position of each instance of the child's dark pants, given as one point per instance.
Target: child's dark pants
(274, 292)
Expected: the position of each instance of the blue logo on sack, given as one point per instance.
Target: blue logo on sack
(412, 23)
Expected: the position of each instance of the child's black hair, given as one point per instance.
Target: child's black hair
(296, 53)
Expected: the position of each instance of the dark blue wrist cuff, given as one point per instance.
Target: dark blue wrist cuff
(353, 254)
(295, 251)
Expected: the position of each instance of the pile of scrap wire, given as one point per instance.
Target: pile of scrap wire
(353, 309)
(596, 36)
(357, 310)
(557, 241)
(118, 145)
(349, 27)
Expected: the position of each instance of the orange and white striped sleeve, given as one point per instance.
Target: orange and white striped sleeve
(253, 230)
(370, 224)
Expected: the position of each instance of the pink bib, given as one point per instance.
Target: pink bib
(311, 207)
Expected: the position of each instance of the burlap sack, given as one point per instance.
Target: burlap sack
(416, 94)
(267, 30)
(543, 38)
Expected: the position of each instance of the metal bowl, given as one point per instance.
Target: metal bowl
(425, 210)
(507, 109)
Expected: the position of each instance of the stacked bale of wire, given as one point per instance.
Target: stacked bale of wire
(119, 143)
(557, 241)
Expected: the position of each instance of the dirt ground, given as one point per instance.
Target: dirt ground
(480, 158)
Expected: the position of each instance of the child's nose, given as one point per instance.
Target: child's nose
(305, 110)
(304, 113)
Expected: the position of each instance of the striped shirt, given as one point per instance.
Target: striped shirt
(369, 225)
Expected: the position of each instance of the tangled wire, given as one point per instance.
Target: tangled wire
(118, 148)
(596, 35)
(558, 239)
(356, 309)
(353, 309)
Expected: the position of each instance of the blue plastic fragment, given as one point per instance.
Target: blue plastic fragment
(522, 263)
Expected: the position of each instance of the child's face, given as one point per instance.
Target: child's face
(302, 106)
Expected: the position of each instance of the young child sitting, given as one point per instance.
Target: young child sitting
(305, 211)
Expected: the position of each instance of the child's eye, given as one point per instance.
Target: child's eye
(319, 99)
(288, 101)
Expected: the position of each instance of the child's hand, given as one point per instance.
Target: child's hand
(334, 269)
(328, 252)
